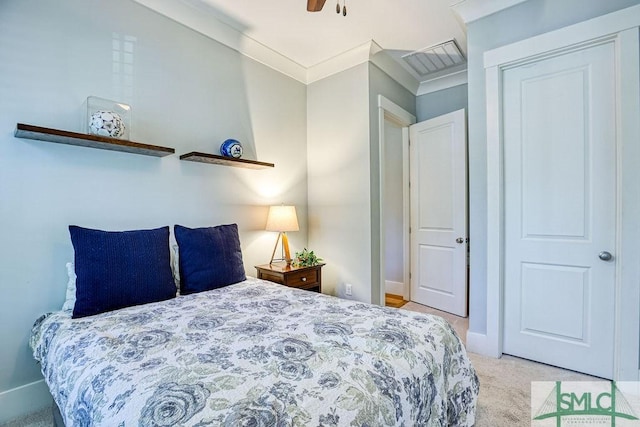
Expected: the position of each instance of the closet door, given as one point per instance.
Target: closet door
(560, 209)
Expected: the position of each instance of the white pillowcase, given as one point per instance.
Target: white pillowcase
(70, 300)
(175, 266)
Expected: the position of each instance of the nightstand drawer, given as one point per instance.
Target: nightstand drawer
(307, 278)
(302, 279)
(272, 277)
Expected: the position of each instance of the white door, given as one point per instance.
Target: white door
(559, 121)
(438, 169)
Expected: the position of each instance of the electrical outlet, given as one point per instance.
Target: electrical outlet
(347, 289)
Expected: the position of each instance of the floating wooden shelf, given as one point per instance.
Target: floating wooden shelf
(92, 141)
(227, 161)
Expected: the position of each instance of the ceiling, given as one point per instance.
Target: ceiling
(311, 45)
(311, 38)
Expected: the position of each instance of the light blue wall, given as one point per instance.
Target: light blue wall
(441, 102)
(338, 177)
(343, 166)
(186, 91)
(522, 21)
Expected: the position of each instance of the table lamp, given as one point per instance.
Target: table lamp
(282, 219)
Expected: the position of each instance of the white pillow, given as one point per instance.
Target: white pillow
(175, 266)
(70, 301)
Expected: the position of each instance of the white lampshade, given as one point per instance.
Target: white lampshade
(282, 218)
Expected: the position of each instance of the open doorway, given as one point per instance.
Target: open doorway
(394, 224)
(394, 125)
(439, 268)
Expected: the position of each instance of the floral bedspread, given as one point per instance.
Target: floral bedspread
(256, 354)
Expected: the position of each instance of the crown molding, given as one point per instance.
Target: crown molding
(350, 58)
(195, 16)
(472, 10)
(444, 82)
(366, 52)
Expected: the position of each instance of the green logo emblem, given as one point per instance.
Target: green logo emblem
(609, 404)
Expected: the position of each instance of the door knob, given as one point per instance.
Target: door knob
(460, 240)
(605, 256)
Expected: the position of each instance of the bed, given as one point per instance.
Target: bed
(235, 351)
(256, 354)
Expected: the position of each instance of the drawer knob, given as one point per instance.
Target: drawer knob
(304, 279)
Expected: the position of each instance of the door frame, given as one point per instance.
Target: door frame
(620, 28)
(388, 110)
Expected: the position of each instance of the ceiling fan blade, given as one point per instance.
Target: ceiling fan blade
(315, 5)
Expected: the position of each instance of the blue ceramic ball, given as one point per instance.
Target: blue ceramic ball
(231, 148)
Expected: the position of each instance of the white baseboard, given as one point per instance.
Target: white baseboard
(396, 288)
(23, 400)
(479, 343)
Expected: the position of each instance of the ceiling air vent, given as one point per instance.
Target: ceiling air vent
(435, 58)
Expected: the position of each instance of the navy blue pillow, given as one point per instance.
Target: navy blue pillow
(209, 257)
(117, 269)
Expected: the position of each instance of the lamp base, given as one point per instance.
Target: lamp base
(285, 248)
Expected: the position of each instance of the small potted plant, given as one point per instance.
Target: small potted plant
(306, 259)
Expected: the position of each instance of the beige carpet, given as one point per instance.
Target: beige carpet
(505, 383)
(41, 418)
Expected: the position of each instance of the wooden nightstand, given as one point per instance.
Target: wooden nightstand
(309, 278)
